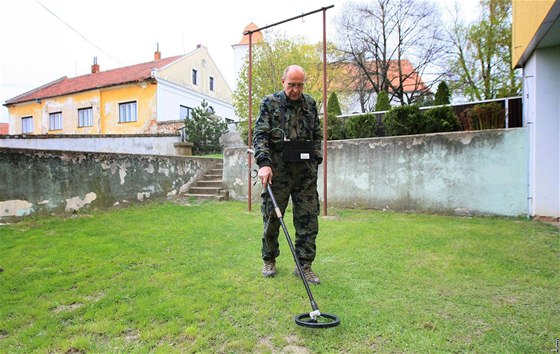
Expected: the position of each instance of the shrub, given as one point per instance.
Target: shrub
(335, 125)
(441, 119)
(382, 103)
(404, 120)
(204, 130)
(442, 94)
(483, 116)
(361, 126)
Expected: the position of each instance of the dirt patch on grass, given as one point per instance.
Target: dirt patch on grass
(71, 307)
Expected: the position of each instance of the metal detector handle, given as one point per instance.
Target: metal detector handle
(314, 306)
(276, 207)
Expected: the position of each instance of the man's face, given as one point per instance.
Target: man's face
(293, 84)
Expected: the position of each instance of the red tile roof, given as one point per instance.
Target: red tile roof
(4, 128)
(412, 80)
(65, 86)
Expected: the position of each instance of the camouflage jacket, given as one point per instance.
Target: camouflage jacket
(301, 123)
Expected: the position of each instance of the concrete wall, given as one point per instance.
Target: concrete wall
(541, 77)
(35, 181)
(126, 144)
(478, 172)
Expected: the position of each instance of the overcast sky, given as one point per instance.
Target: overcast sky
(44, 40)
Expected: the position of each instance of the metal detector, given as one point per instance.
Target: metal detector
(313, 319)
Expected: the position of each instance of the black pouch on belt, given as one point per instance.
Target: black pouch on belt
(297, 151)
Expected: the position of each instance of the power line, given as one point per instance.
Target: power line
(78, 33)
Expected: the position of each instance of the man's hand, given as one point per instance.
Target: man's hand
(265, 175)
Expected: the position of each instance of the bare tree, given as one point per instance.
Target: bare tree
(394, 44)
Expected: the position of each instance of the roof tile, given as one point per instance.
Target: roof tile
(65, 85)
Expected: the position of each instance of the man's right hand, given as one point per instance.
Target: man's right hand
(265, 175)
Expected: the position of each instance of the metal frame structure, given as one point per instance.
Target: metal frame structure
(250, 137)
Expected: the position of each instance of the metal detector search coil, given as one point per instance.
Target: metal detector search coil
(313, 319)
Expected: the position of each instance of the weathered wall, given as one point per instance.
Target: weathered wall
(477, 172)
(34, 181)
(126, 144)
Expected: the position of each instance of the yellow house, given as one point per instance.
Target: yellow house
(536, 49)
(148, 98)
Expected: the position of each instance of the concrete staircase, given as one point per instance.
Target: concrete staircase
(209, 186)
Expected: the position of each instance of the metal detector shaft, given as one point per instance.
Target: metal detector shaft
(298, 265)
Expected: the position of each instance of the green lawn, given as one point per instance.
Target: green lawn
(163, 277)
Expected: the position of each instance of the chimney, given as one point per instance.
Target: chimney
(94, 67)
(157, 53)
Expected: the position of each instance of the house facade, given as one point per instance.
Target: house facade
(359, 94)
(536, 49)
(146, 98)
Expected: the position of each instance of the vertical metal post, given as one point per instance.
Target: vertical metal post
(250, 78)
(506, 105)
(250, 124)
(325, 118)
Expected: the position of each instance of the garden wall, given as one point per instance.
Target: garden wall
(466, 173)
(47, 181)
(160, 144)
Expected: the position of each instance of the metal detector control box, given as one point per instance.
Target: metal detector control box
(297, 151)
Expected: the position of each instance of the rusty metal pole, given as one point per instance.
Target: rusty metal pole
(325, 118)
(249, 135)
(250, 33)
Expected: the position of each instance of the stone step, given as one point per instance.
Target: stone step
(219, 197)
(204, 190)
(210, 183)
(209, 186)
(210, 177)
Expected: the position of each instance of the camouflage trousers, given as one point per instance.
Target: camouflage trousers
(297, 180)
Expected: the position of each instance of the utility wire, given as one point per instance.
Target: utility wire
(78, 33)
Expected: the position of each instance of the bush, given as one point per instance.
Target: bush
(404, 120)
(362, 126)
(382, 103)
(441, 119)
(204, 130)
(335, 125)
(335, 128)
(483, 116)
(443, 95)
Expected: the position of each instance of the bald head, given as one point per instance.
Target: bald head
(293, 80)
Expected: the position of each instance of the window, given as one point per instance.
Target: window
(27, 125)
(55, 121)
(127, 112)
(211, 83)
(194, 76)
(85, 117)
(184, 112)
(210, 109)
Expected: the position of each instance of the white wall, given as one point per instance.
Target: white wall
(464, 173)
(171, 96)
(123, 144)
(541, 109)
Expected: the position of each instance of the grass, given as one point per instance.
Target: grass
(163, 277)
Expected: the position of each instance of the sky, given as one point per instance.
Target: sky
(44, 40)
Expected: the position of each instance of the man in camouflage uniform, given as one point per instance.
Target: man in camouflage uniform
(289, 116)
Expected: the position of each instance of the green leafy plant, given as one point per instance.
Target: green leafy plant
(483, 116)
(204, 130)
(404, 120)
(441, 119)
(335, 125)
(443, 95)
(382, 103)
(362, 126)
